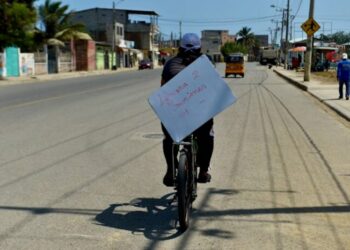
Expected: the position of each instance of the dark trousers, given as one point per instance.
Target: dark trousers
(347, 86)
(205, 140)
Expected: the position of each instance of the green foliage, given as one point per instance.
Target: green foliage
(339, 37)
(230, 47)
(246, 37)
(18, 19)
(55, 20)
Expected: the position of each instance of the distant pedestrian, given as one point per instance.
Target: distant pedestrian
(326, 65)
(343, 76)
(299, 60)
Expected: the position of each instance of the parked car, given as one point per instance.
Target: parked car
(146, 64)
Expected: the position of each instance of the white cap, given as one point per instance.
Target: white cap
(344, 56)
(190, 41)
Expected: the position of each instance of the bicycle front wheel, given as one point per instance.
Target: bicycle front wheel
(183, 192)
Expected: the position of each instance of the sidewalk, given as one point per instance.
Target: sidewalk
(324, 90)
(59, 76)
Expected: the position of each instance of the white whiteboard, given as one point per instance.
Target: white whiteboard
(191, 98)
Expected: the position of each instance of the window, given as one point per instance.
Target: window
(119, 30)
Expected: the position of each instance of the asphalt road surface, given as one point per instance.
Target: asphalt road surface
(81, 167)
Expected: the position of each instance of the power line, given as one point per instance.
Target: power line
(296, 13)
(203, 21)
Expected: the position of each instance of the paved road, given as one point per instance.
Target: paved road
(81, 168)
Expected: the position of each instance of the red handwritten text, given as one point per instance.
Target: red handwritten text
(191, 94)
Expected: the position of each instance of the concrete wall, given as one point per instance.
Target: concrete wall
(40, 59)
(27, 64)
(2, 65)
(66, 62)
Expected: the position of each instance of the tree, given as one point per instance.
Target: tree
(339, 37)
(246, 37)
(230, 47)
(324, 38)
(17, 23)
(55, 19)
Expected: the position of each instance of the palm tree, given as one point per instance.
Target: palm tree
(246, 37)
(57, 28)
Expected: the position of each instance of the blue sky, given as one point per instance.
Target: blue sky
(231, 15)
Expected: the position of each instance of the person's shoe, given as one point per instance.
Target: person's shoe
(168, 179)
(203, 177)
(347, 98)
(340, 97)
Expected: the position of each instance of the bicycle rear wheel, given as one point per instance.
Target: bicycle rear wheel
(183, 191)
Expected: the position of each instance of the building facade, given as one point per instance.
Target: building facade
(263, 40)
(129, 39)
(213, 40)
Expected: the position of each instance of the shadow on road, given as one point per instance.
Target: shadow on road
(156, 218)
(158, 222)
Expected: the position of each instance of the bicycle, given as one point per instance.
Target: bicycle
(185, 178)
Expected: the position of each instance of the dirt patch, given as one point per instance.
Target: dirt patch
(326, 77)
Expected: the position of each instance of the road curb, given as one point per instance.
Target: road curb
(294, 82)
(336, 108)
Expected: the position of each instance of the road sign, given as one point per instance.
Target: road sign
(310, 26)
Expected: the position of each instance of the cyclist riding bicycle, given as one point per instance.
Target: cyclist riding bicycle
(189, 51)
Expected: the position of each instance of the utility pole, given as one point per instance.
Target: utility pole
(113, 35)
(308, 56)
(286, 41)
(275, 37)
(180, 24)
(281, 42)
(171, 40)
(291, 28)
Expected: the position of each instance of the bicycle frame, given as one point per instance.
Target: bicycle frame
(190, 146)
